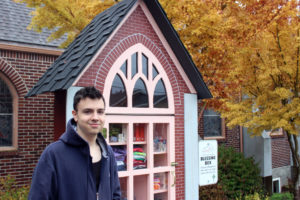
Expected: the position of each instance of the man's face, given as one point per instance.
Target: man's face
(89, 116)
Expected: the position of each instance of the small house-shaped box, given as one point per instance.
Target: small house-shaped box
(151, 86)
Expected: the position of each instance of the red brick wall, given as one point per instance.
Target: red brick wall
(135, 30)
(35, 117)
(280, 152)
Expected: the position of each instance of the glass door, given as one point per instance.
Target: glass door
(144, 149)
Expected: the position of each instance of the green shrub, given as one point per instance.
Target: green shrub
(238, 176)
(8, 191)
(282, 196)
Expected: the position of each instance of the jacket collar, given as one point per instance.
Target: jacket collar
(71, 137)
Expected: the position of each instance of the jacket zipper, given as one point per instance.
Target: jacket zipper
(97, 195)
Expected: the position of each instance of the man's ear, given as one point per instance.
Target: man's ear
(74, 113)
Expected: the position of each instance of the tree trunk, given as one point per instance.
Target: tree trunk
(293, 142)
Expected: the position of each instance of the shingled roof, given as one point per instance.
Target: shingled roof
(14, 19)
(64, 71)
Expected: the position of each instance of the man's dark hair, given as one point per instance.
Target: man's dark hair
(87, 92)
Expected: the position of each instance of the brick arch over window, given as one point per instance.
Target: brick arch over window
(125, 44)
(14, 77)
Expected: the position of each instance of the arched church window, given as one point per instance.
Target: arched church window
(8, 114)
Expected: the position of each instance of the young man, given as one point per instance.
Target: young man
(80, 165)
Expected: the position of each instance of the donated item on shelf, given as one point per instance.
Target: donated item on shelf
(156, 183)
(120, 155)
(121, 137)
(139, 132)
(160, 144)
(117, 133)
(139, 158)
(113, 139)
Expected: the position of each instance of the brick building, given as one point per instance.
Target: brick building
(26, 125)
(131, 31)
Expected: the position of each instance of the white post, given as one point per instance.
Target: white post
(191, 147)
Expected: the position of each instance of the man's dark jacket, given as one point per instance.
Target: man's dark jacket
(64, 171)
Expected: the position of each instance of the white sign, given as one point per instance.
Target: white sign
(208, 162)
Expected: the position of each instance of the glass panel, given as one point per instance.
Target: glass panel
(120, 153)
(160, 134)
(160, 139)
(145, 65)
(160, 95)
(118, 96)
(140, 95)
(154, 72)
(139, 156)
(6, 130)
(118, 133)
(212, 123)
(124, 68)
(134, 65)
(124, 187)
(5, 98)
(161, 196)
(140, 131)
(140, 187)
(6, 115)
(160, 181)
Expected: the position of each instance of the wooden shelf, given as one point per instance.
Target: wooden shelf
(139, 142)
(160, 191)
(159, 152)
(123, 173)
(117, 143)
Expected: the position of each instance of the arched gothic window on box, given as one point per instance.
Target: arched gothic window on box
(138, 77)
(8, 114)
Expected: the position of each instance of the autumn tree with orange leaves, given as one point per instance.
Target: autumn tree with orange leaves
(247, 51)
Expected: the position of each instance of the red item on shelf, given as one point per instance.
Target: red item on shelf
(142, 132)
(137, 132)
(138, 149)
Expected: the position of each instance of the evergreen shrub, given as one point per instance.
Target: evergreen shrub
(238, 176)
(282, 196)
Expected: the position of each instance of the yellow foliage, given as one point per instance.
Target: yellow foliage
(247, 51)
(65, 16)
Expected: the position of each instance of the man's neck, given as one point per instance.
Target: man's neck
(90, 139)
